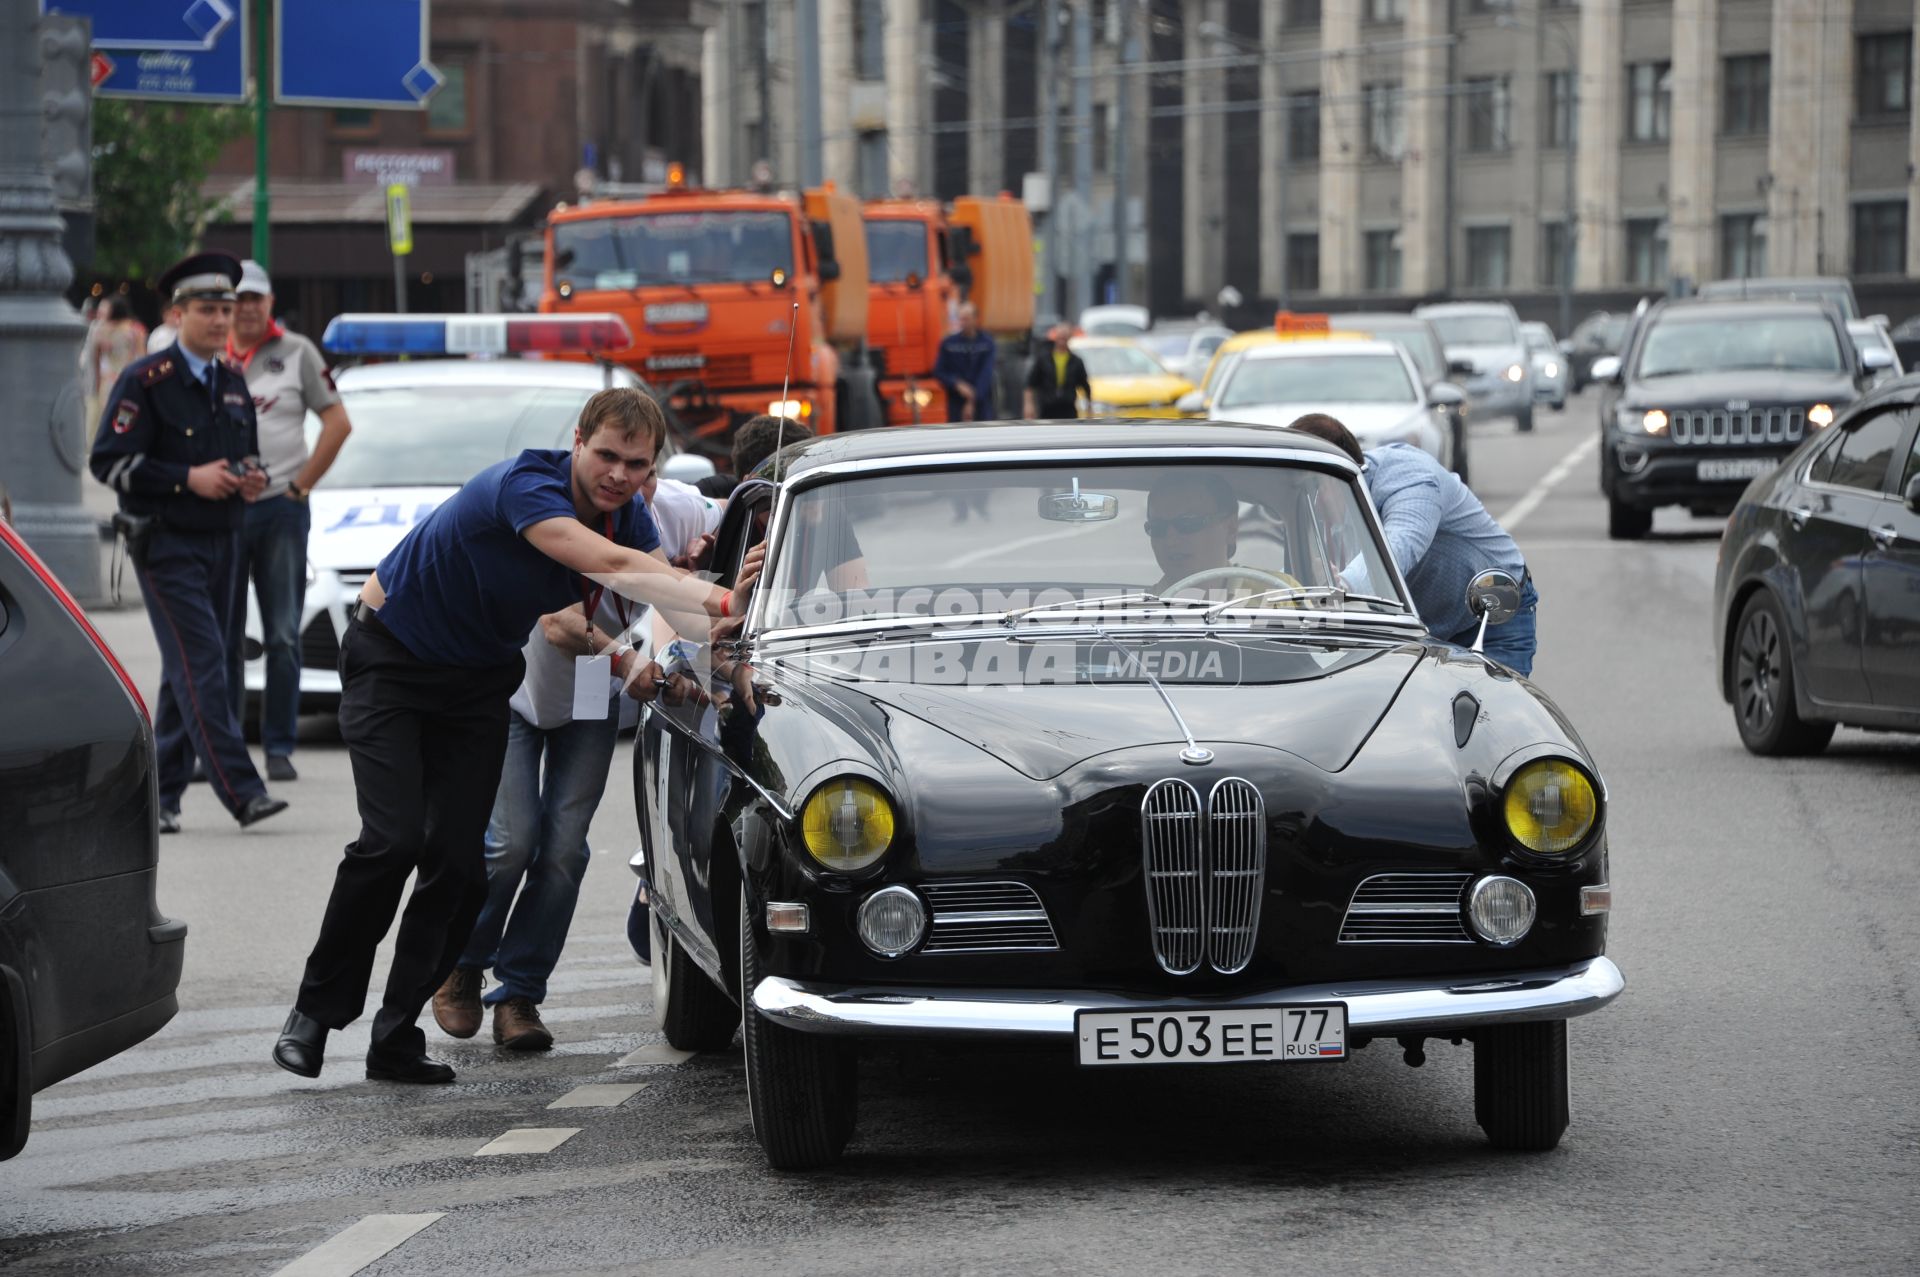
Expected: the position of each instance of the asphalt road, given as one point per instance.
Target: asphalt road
(1750, 1104)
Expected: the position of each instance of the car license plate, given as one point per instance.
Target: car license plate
(1237, 1035)
(1734, 468)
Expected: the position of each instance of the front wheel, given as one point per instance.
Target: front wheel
(801, 1087)
(1524, 419)
(1521, 1097)
(694, 1013)
(1763, 687)
(1627, 522)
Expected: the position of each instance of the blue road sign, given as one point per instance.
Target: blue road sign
(214, 74)
(153, 24)
(370, 53)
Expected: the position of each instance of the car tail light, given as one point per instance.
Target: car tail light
(74, 610)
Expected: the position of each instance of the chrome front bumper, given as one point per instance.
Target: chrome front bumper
(1382, 1008)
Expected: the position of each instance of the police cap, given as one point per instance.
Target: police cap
(210, 275)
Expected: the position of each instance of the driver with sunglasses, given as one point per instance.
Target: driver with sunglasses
(1193, 521)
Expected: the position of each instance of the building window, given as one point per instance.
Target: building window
(1383, 261)
(1386, 10)
(871, 163)
(1649, 102)
(1102, 136)
(1489, 6)
(1303, 263)
(1556, 263)
(869, 40)
(1883, 71)
(448, 110)
(1487, 256)
(1880, 238)
(1745, 84)
(1489, 114)
(1301, 13)
(1743, 245)
(1386, 126)
(1563, 121)
(1646, 251)
(1303, 127)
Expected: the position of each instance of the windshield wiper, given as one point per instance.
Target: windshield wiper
(1338, 593)
(1138, 596)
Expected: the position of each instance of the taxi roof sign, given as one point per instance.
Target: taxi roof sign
(387, 334)
(1288, 323)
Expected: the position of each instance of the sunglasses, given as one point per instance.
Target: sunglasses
(1185, 524)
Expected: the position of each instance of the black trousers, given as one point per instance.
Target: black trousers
(427, 744)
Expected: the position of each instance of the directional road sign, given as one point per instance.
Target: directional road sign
(152, 24)
(217, 73)
(365, 53)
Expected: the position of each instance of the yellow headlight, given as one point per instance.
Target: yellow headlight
(848, 823)
(1550, 806)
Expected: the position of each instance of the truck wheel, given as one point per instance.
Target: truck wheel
(1627, 522)
(1520, 1090)
(693, 1012)
(802, 1088)
(1763, 705)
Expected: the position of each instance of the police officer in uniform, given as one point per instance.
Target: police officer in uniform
(179, 442)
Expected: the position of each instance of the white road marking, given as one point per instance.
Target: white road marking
(1527, 504)
(599, 1095)
(658, 1053)
(529, 1139)
(350, 1251)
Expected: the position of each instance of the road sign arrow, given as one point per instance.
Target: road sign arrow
(150, 24)
(101, 68)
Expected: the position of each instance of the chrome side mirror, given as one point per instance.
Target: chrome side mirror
(1876, 358)
(1494, 597)
(1605, 368)
(1191, 404)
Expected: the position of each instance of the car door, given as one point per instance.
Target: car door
(1891, 650)
(1826, 547)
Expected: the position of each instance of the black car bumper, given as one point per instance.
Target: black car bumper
(1649, 474)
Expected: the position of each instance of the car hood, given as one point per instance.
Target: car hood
(1154, 388)
(1756, 386)
(353, 528)
(1372, 423)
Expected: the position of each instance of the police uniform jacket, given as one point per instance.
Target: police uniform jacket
(160, 422)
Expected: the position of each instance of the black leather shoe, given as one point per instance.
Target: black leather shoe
(169, 821)
(258, 808)
(280, 767)
(302, 1044)
(406, 1066)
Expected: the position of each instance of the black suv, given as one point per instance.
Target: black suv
(1711, 394)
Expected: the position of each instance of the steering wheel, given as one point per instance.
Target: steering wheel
(1272, 580)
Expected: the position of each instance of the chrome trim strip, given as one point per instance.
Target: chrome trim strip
(1001, 915)
(1375, 1007)
(1390, 906)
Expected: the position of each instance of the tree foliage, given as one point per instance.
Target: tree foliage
(149, 159)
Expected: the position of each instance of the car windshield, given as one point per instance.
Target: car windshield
(1167, 345)
(891, 545)
(443, 435)
(1475, 330)
(895, 250)
(1708, 342)
(1317, 379)
(1538, 337)
(1609, 331)
(1419, 343)
(653, 249)
(1119, 361)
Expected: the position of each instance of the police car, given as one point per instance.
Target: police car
(421, 429)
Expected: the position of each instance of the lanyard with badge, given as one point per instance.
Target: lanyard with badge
(593, 672)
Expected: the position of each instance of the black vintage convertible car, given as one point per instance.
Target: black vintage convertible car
(1159, 766)
(1817, 592)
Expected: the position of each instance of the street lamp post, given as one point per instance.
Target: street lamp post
(1569, 228)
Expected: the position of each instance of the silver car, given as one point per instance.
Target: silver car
(1548, 364)
(1185, 348)
(1489, 357)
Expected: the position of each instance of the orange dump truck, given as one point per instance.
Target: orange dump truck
(923, 260)
(707, 282)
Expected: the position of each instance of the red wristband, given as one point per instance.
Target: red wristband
(726, 603)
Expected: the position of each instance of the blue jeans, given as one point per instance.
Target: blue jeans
(538, 837)
(1512, 644)
(273, 556)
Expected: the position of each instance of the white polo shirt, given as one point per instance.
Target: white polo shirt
(288, 378)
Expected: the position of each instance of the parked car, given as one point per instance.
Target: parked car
(1548, 365)
(1485, 348)
(1874, 344)
(1712, 395)
(1373, 387)
(1835, 290)
(1114, 797)
(1185, 347)
(1816, 597)
(1599, 334)
(1116, 320)
(88, 963)
(1417, 337)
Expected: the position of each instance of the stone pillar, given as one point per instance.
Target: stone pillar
(839, 148)
(1693, 229)
(1203, 219)
(1343, 145)
(1913, 164)
(987, 98)
(1274, 177)
(44, 436)
(909, 82)
(1808, 214)
(1598, 254)
(1423, 173)
(719, 94)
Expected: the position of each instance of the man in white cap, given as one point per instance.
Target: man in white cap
(288, 378)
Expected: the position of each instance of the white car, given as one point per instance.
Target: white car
(1372, 387)
(1185, 348)
(1548, 364)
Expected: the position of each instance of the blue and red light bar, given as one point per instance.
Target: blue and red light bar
(581, 334)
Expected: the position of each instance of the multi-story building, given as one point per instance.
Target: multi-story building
(1313, 152)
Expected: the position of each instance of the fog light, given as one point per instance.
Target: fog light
(1632, 460)
(1595, 900)
(892, 920)
(786, 915)
(1501, 910)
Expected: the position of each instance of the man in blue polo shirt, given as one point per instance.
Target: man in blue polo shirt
(430, 658)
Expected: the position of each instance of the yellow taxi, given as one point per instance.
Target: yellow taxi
(1128, 380)
(1287, 326)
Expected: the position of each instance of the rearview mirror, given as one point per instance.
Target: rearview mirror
(1605, 368)
(1191, 404)
(1913, 494)
(1078, 506)
(829, 270)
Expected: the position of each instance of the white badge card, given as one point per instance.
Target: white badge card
(590, 677)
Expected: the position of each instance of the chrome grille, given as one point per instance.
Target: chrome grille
(987, 917)
(1734, 426)
(1237, 867)
(1407, 908)
(1205, 871)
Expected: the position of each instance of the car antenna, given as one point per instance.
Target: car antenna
(780, 433)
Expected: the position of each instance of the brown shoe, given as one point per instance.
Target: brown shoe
(516, 1026)
(456, 1004)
